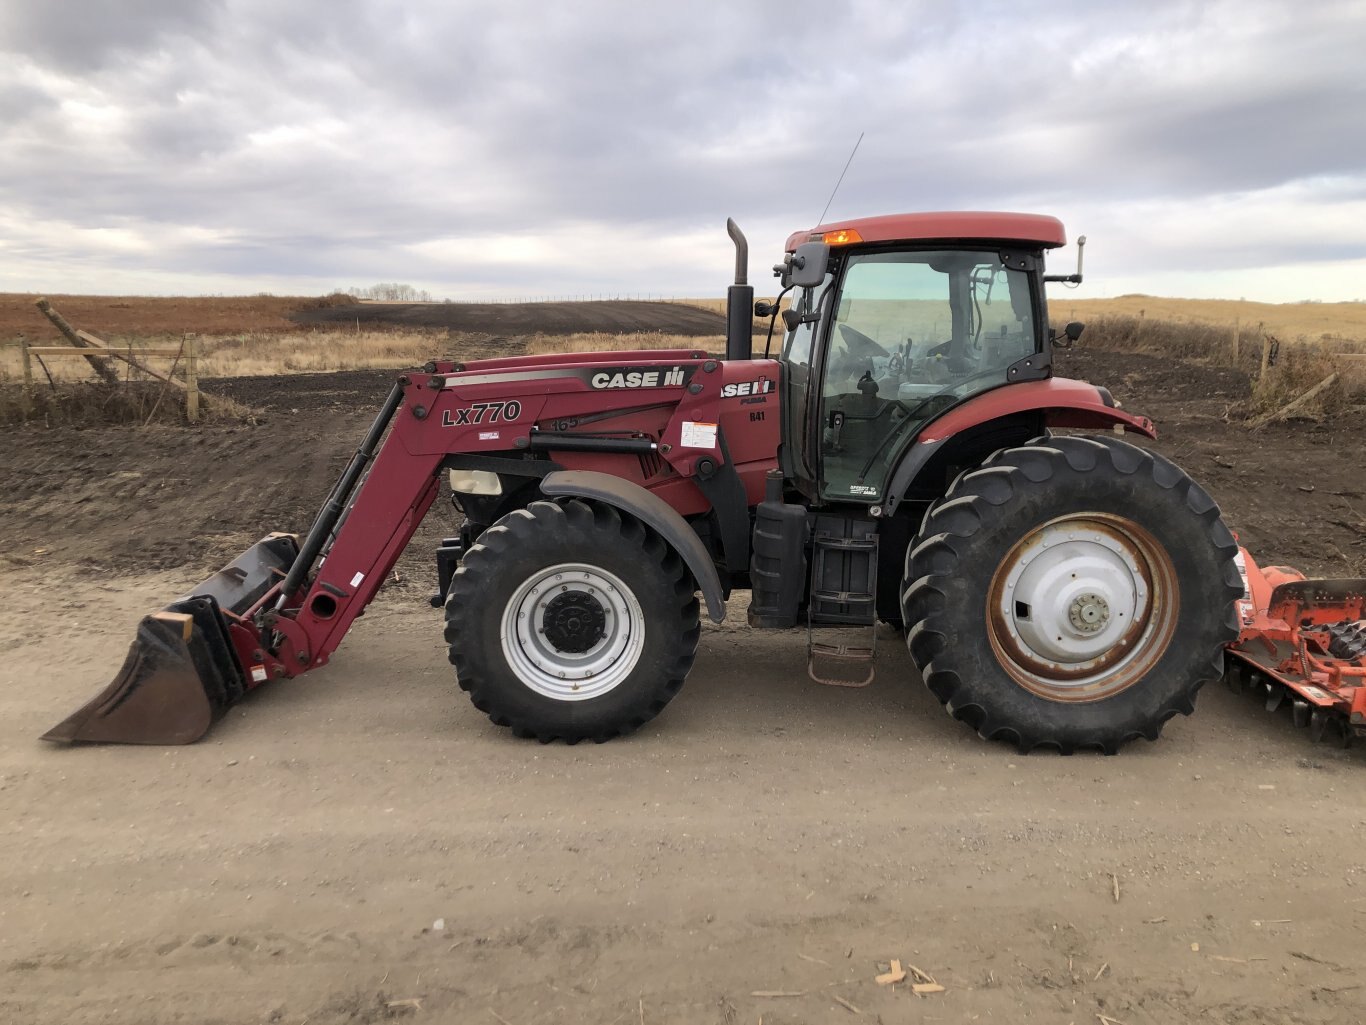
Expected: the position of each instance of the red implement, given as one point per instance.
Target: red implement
(1303, 641)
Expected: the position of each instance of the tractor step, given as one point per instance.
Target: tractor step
(843, 593)
(828, 663)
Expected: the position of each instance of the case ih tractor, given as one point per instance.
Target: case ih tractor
(897, 461)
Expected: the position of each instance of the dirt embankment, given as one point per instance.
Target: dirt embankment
(1292, 491)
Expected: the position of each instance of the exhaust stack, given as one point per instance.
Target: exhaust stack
(739, 300)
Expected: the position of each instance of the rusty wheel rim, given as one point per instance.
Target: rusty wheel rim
(1082, 607)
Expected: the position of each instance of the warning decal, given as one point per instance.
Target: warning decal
(697, 434)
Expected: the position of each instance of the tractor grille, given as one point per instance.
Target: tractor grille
(650, 464)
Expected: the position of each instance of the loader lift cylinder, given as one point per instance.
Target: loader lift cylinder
(739, 301)
(331, 511)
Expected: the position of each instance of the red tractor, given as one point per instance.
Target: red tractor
(895, 461)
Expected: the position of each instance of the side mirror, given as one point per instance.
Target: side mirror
(807, 269)
(1070, 333)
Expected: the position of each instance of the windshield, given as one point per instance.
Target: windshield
(913, 333)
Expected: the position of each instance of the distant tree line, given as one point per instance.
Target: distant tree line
(392, 291)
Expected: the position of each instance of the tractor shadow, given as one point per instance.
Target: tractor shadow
(748, 682)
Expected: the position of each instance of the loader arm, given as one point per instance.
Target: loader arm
(367, 521)
(304, 628)
(447, 410)
(388, 509)
(274, 613)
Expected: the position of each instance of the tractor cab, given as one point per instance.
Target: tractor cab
(893, 321)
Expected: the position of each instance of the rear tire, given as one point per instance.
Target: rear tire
(1072, 593)
(571, 622)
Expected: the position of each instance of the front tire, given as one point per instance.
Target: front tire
(571, 622)
(1072, 593)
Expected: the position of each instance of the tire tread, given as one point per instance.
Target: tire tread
(580, 525)
(945, 548)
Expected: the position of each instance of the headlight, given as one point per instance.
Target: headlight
(476, 482)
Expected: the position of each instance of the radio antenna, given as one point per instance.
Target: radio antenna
(821, 219)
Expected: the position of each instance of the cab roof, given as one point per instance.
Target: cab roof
(962, 226)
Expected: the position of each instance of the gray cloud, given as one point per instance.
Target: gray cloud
(284, 145)
(86, 35)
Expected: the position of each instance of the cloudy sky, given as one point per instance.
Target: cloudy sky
(537, 148)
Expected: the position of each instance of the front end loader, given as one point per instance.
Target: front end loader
(897, 460)
(189, 662)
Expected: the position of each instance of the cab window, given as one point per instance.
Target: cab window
(913, 333)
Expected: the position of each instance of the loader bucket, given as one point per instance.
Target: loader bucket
(181, 672)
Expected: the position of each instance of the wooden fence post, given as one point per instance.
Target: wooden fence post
(27, 402)
(191, 378)
(100, 365)
(1237, 339)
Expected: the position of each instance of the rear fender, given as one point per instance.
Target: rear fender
(1055, 402)
(655, 513)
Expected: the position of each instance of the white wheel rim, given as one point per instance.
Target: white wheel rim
(568, 675)
(1082, 607)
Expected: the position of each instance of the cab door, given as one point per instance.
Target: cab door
(797, 455)
(911, 334)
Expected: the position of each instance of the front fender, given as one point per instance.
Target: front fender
(655, 513)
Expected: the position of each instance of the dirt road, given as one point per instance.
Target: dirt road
(764, 835)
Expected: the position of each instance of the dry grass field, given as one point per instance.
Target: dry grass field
(599, 341)
(1308, 321)
(267, 335)
(1301, 344)
(315, 352)
(264, 335)
(252, 354)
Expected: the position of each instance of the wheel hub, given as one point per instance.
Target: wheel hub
(574, 621)
(1081, 607)
(1089, 613)
(1074, 594)
(572, 631)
